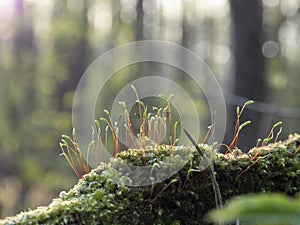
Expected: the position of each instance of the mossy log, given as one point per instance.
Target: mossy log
(184, 198)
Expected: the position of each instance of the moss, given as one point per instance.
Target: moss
(182, 198)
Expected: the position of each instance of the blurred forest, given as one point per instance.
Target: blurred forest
(253, 47)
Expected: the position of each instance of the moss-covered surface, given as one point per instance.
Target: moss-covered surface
(177, 200)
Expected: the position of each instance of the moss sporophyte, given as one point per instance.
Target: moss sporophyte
(156, 127)
(183, 198)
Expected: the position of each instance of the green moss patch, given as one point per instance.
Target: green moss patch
(184, 198)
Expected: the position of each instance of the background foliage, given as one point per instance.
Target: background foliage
(260, 209)
(45, 47)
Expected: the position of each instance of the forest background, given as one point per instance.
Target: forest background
(252, 47)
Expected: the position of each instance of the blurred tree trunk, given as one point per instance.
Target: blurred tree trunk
(187, 36)
(142, 68)
(139, 22)
(24, 47)
(73, 56)
(249, 65)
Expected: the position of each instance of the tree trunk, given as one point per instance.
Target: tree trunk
(249, 66)
(139, 22)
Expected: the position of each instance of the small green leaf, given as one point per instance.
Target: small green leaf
(244, 124)
(238, 110)
(176, 141)
(140, 102)
(163, 97)
(134, 89)
(97, 123)
(259, 209)
(170, 97)
(258, 142)
(277, 124)
(248, 103)
(104, 120)
(123, 104)
(107, 112)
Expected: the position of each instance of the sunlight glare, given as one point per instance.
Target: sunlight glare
(6, 9)
(6, 16)
(171, 9)
(213, 9)
(101, 17)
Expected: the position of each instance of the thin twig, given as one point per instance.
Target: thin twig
(216, 188)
